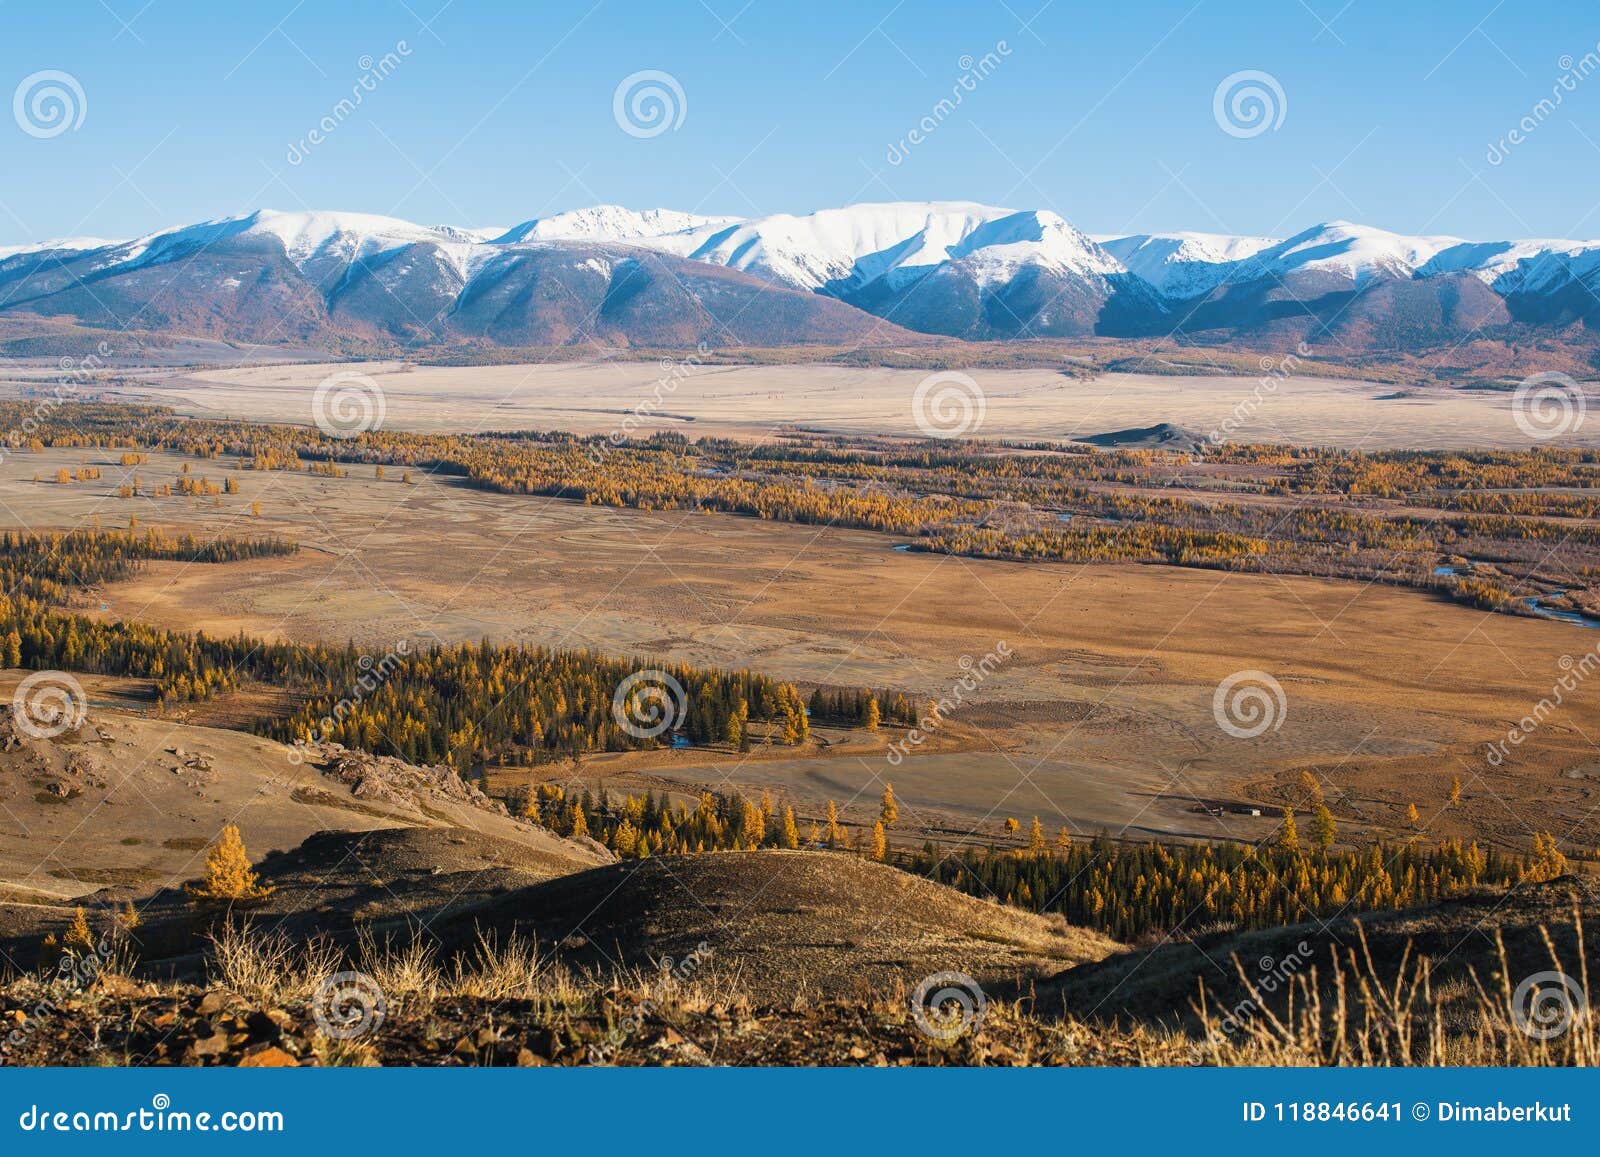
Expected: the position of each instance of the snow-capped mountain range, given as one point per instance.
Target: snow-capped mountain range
(662, 276)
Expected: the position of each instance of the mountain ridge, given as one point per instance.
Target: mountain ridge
(874, 271)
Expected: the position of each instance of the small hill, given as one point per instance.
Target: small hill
(1163, 434)
(388, 881)
(1457, 937)
(132, 803)
(784, 924)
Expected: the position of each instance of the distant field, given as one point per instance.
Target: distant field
(749, 401)
(1101, 717)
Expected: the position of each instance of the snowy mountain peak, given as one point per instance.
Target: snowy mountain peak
(607, 223)
(1183, 264)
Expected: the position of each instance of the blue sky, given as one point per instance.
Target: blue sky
(496, 112)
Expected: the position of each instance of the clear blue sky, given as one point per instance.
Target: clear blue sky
(1101, 111)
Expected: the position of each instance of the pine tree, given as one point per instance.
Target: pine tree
(1411, 815)
(1323, 828)
(1036, 843)
(580, 822)
(888, 811)
(625, 840)
(1455, 786)
(229, 875)
(834, 836)
(874, 714)
(1288, 834)
(790, 836)
(880, 842)
(79, 939)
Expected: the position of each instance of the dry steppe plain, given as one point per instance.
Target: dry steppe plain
(1101, 716)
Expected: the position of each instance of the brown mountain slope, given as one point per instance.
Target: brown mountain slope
(785, 924)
